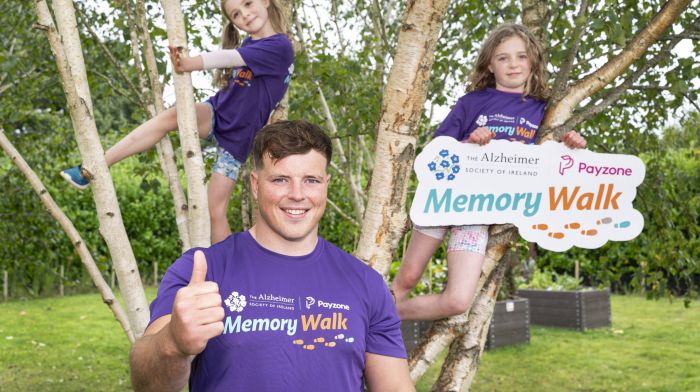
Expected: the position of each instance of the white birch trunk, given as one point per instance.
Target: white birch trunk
(69, 59)
(73, 235)
(385, 214)
(164, 147)
(198, 211)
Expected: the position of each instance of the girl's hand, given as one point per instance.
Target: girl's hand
(184, 64)
(573, 139)
(480, 136)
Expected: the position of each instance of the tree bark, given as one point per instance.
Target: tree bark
(198, 211)
(164, 148)
(69, 59)
(396, 132)
(73, 235)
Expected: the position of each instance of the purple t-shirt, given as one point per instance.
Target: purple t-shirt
(506, 114)
(291, 323)
(253, 92)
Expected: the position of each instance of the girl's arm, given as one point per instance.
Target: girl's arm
(225, 58)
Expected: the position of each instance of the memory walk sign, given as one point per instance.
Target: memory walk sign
(556, 196)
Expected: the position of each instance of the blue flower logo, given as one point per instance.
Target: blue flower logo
(445, 166)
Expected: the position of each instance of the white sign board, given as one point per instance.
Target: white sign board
(556, 196)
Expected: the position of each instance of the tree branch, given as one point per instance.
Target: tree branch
(341, 213)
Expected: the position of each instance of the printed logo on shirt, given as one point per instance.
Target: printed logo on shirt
(310, 301)
(290, 70)
(481, 121)
(243, 77)
(319, 330)
(501, 124)
(235, 302)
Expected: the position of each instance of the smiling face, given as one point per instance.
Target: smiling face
(291, 195)
(510, 65)
(250, 16)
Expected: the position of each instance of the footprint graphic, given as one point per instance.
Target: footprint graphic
(622, 225)
(556, 235)
(540, 226)
(309, 347)
(603, 221)
(350, 340)
(330, 344)
(338, 337)
(573, 225)
(319, 340)
(589, 232)
(298, 341)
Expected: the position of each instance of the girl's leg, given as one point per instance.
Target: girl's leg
(464, 259)
(219, 193)
(149, 133)
(420, 249)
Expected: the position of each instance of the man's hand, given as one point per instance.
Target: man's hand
(573, 139)
(480, 136)
(197, 312)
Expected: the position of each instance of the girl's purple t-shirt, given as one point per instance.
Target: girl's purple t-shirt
(508, 115)
(254, 91)
(291, 323)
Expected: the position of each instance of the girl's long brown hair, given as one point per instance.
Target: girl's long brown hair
(536, 85)
(231, 37)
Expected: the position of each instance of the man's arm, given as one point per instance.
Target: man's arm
(160, 360)
(156, 364)
(387, 374)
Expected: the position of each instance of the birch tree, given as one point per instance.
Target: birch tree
(69, 58)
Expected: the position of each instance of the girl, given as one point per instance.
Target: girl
(507, 89)
(253, 79)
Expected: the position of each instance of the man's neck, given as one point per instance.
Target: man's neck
(273, 242)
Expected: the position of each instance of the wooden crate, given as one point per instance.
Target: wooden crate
(510, 324)
(412, 332)
(578, 309)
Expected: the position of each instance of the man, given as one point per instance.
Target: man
(298, 313)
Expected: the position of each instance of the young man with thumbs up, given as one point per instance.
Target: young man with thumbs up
(275, 308)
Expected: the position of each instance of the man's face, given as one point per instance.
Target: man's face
(291, 195)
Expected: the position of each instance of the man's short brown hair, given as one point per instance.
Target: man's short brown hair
(284, 138)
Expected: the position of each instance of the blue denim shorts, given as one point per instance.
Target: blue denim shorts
(225, 163)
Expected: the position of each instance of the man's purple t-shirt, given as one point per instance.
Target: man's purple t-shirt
(508, 115)
(253, 92)
(291, 323)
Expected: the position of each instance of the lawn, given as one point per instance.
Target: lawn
(73, 344)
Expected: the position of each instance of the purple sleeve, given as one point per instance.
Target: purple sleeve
(177, 276)
(268, 56)
(384, 333)
(457, 122)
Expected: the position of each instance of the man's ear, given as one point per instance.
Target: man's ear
(254, 184)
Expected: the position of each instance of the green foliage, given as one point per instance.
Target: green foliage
(550, 280)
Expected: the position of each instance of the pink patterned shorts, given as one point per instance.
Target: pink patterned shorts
(470, 238)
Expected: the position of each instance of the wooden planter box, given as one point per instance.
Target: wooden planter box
(580, 309)
(510, 324)
(412, 332)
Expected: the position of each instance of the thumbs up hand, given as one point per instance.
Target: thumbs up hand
(197, 312)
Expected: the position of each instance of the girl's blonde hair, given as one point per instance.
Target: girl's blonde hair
(231, 38)
(536, 85)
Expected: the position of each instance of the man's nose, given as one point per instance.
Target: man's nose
(296, 191)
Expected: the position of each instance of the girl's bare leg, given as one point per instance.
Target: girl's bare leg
(149, 133)
(464, 269)
(420, 249)
(219, 193)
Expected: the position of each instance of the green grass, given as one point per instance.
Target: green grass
(652, 346)
(74, 344)
(62, 344)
